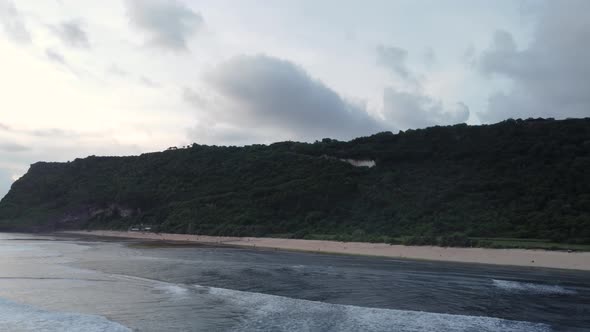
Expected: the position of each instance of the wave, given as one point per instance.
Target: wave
(263, 312)
(531, 288)
(270, 312)
(177, 291)
(24, 318)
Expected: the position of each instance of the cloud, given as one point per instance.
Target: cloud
(414, 110)
(228, 134)
(266, 94)
(429, 56)
(42, 133)
(500, 57)
(13, 147)
(194, 98)
(59, 59)
(72, 34)
(13, 23)
(411, 107)
(468, 57)
(167, 24)
(52, 133)
(551, 75)
(145, 81)
(394, 58)
(55, 56)
(117, 71)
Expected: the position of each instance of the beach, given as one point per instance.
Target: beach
(514, 257)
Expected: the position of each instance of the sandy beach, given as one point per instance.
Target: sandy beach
(519, 257)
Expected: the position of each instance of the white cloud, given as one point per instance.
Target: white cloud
(72, 33)
(413, 110)
(13, 22)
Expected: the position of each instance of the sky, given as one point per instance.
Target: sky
(124, 77)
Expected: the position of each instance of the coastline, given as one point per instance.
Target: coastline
(515, 257)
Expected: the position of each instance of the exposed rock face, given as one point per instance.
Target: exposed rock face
(354, 162)
(360, 163)
(75, 219)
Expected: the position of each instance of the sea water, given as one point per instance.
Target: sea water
(84, 284)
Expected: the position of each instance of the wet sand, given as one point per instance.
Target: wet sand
(518, 257)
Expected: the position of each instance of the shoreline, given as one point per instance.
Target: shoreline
(514, 257)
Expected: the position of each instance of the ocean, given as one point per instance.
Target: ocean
(76, 283)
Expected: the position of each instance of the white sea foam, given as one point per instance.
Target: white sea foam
(176, 290)
(24, 318)
(277, 313)
(15, 248)
(532, 288)
(265, 312)
(172, 289)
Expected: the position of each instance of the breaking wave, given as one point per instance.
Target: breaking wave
(177, 291)
(532, 288)
(24, 318)
(263, 312)
(171, 289)
(276, 313)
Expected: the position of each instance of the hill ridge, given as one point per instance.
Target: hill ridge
(516, 178)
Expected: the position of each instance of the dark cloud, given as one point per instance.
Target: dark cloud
(413, 110)
(13, 147)
(550, 76)
(266, 93)
(13, 23)
(72, 34)
(55, 56)
(500, 57)
(394, 58)
(168, 24)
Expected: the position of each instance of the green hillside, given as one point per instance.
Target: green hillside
(514, 179)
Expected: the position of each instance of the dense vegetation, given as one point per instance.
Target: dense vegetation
(445, 185)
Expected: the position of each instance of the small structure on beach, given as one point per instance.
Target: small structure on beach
(140, 228)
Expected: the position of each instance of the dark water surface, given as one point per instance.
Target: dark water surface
(89, 284)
